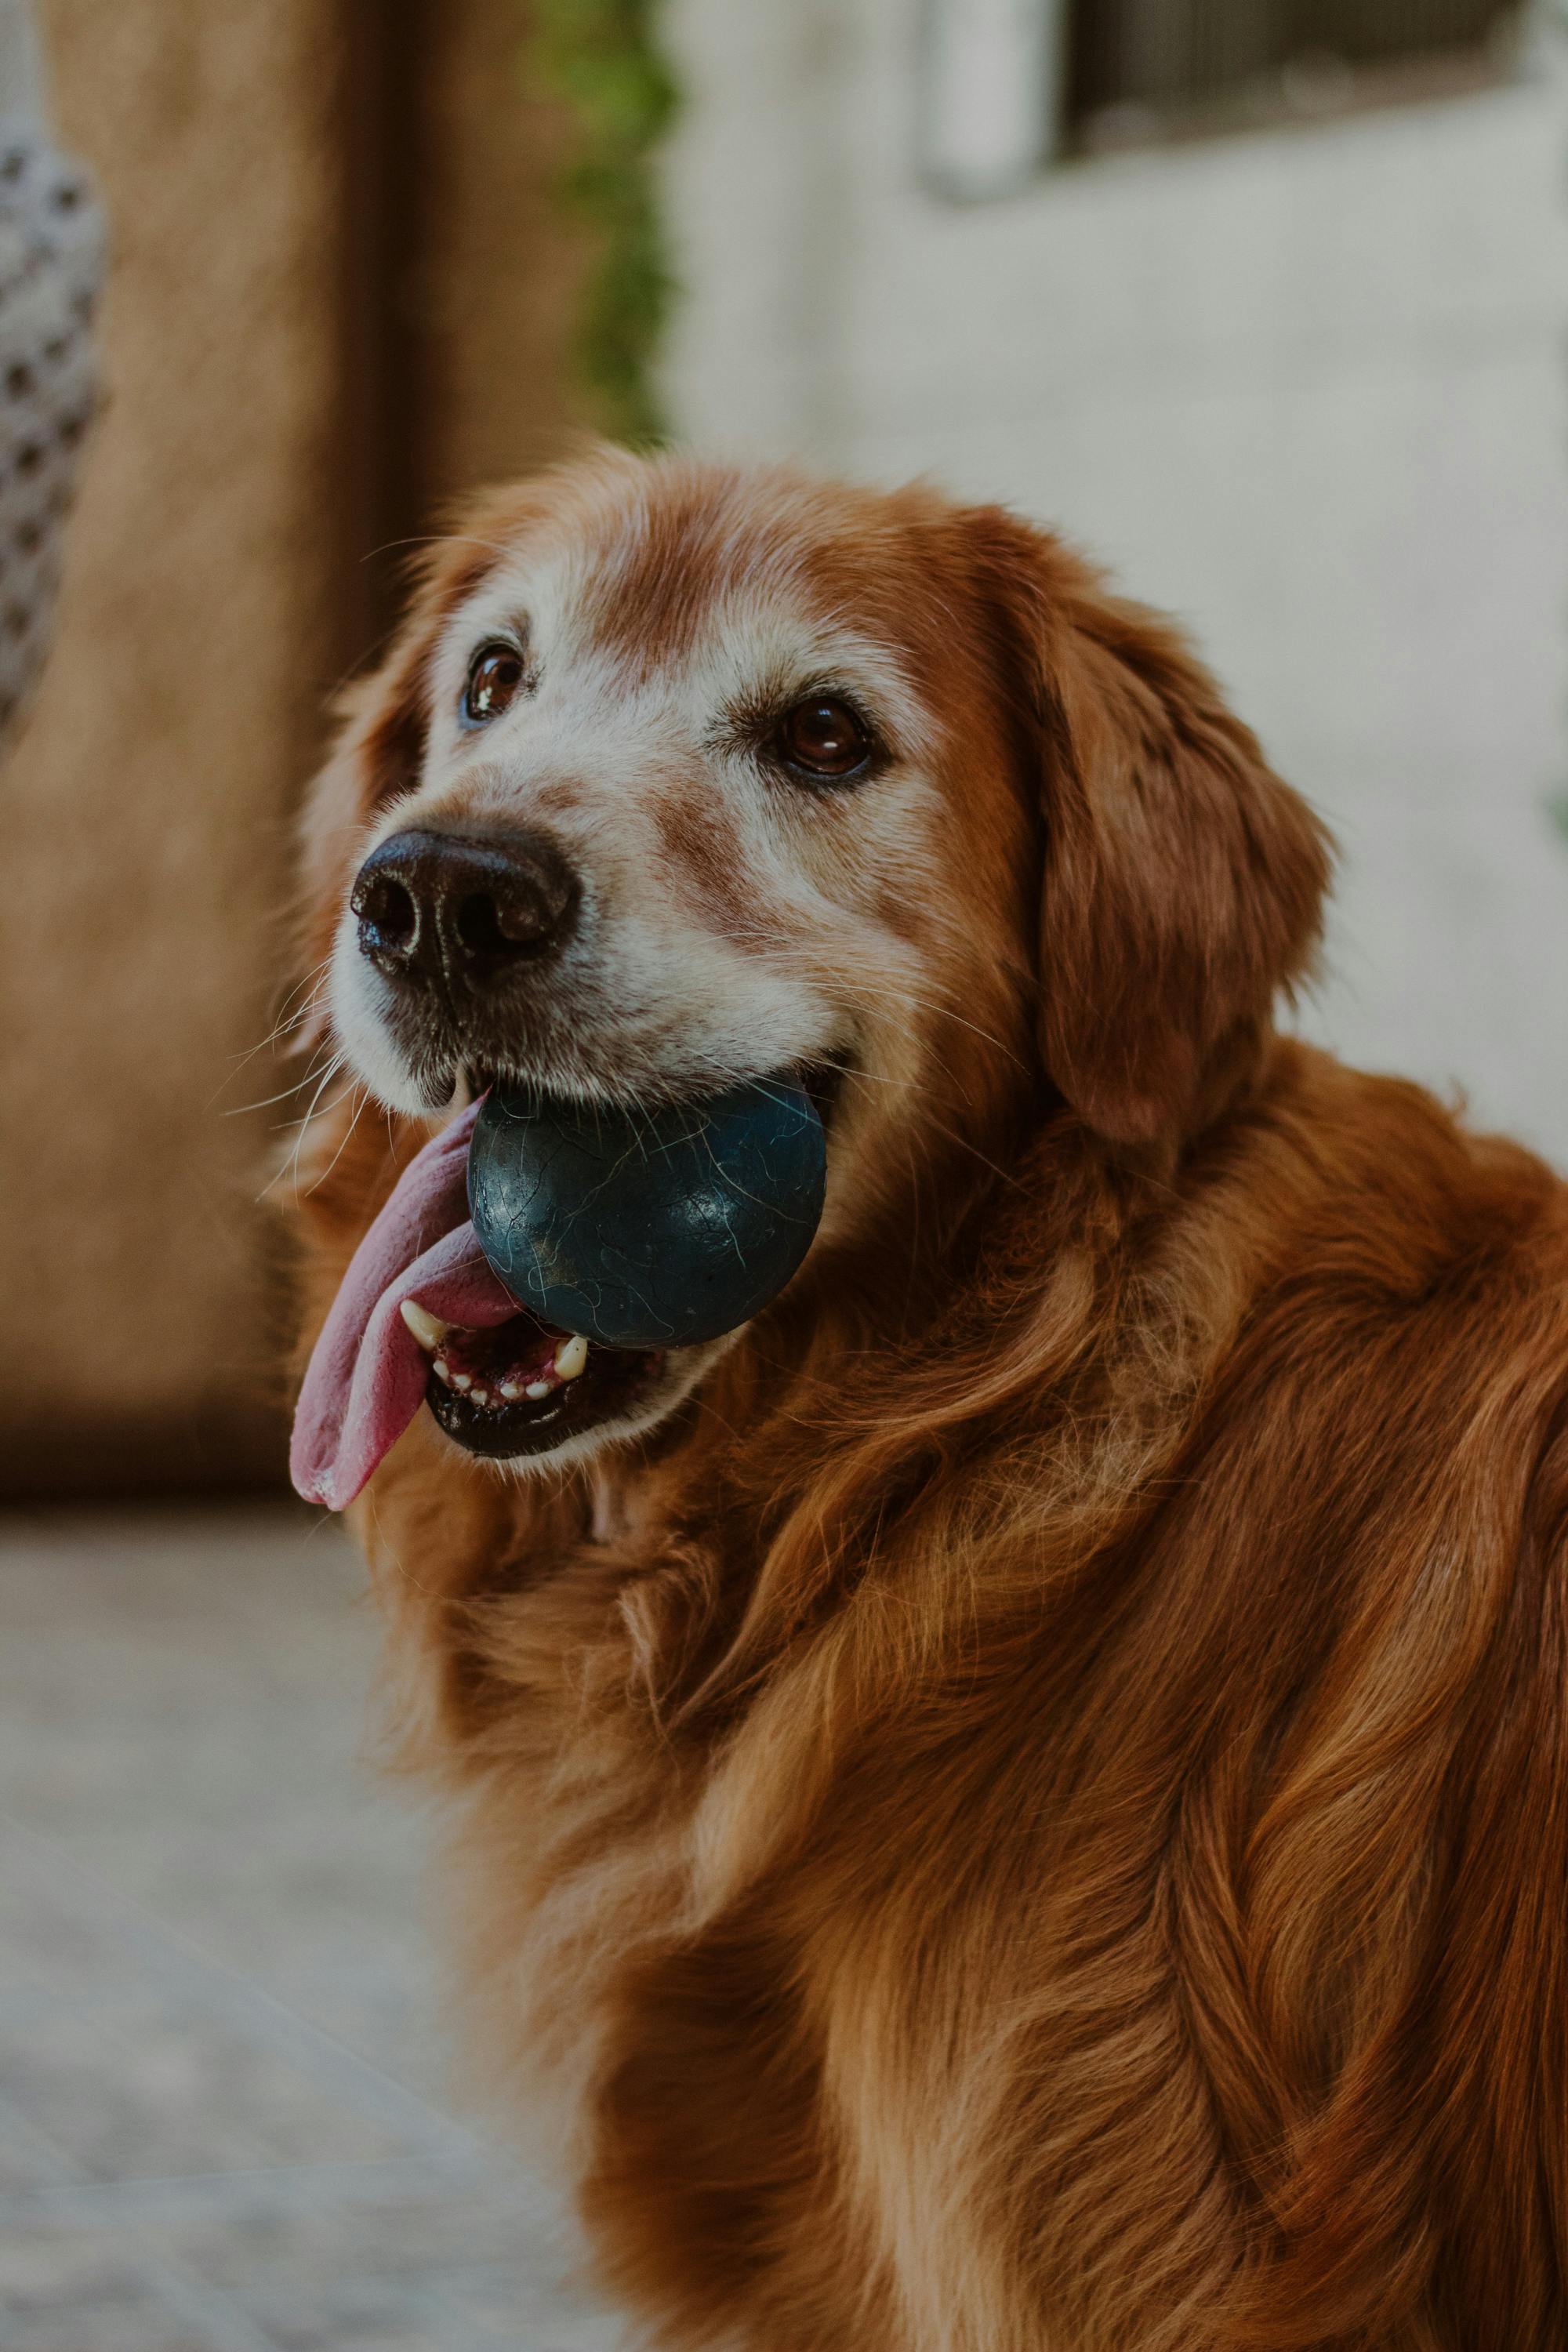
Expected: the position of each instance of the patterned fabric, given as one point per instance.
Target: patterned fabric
(51, 265)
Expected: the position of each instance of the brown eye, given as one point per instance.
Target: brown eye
(495, 674)
(823, 738)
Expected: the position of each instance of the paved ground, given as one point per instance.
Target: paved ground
(223, 2120)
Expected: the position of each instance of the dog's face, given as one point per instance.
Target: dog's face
(736, 803)
(679, 776)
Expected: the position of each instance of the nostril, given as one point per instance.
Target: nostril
(388, 916)
(484, 928)
(521, 911)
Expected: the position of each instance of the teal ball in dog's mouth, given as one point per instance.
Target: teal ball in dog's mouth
(656, 1228)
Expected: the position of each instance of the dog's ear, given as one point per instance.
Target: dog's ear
(1183, 882)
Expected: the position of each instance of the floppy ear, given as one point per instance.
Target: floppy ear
(1182, 883)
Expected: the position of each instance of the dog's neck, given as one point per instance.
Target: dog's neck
(851, 1388)
(1019, 1320)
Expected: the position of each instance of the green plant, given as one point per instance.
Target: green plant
(601, 59)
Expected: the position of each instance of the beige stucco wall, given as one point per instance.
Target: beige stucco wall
(494, 301)
(145, 808)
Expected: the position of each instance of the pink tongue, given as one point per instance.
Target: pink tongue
(366, 1378)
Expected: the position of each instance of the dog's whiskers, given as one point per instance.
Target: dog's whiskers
(286, 1025)
(354, 1116)
(290, 1172)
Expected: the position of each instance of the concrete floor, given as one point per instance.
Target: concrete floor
(224, 2121)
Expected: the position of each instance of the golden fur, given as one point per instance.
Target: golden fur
(1032, 1814)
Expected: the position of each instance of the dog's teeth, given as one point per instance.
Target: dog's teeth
(479, 1396)
(442, 1370)
(571, 1358)
(511, 1390)
(462, 1380)
(537, 1389)
(427, 1329)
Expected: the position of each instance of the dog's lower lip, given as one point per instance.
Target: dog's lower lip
(494, 1410)
(507, 1431)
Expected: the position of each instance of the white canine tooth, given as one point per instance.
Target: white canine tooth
(479, 1396)
(510, 1390)
(442, 1372)
(462, 1380)
(536, 1389)
(572, 1357)
(427, 1329)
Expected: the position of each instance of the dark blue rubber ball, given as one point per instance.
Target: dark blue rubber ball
(647, 1229)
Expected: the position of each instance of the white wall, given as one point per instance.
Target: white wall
(1308, 389)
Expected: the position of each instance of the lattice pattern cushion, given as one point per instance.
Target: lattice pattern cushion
(51, 264)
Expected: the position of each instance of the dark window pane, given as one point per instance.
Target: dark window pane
(1175, 56)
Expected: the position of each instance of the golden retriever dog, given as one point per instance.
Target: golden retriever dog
(1019, 1804)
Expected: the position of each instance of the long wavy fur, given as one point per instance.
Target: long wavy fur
(1034, 1818)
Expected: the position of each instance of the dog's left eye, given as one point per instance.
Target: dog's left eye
(495, 675)
(823, 738)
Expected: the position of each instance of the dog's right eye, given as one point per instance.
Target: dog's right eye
(823, 739)
(495, 675)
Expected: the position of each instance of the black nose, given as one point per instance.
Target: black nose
(465, 911)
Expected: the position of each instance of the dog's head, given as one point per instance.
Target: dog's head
(679, 774)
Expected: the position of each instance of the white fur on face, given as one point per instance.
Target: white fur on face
(678, 980)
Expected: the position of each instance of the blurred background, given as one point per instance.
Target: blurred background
(1264, 301)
